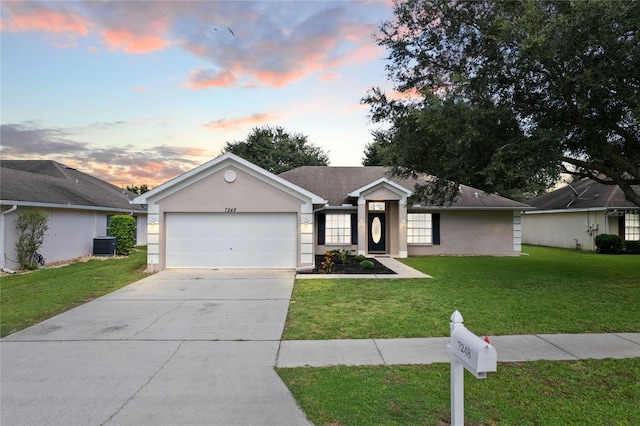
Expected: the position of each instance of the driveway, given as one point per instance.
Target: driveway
(181, 347)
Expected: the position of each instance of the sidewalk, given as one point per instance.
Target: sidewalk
(555, 347)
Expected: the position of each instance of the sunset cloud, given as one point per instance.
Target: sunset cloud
(240, 123)
(204, 78)
(123, 165)
(131, 42)
(42, 19)
(247, 43)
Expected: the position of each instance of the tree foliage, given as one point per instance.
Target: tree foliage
(33, 225)
(375, 153)
(277, 151)
(138, 189)
(506, 96)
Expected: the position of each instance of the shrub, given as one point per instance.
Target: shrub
(609, 244)
(632, 247)
(360, 258)
(327, 265)
(367, 264)
(123, 227)
(341, 255)
(32, 225)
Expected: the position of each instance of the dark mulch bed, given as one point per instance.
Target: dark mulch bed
(351, 267)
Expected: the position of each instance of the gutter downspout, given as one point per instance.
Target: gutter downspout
(2, 239)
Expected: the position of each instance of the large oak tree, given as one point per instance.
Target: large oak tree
(506, 96)
(277, 151)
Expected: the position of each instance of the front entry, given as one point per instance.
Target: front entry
(377, 241)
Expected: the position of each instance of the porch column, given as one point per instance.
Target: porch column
(362, 226)
(402, 213)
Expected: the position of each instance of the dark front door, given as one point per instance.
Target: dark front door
(376, 233)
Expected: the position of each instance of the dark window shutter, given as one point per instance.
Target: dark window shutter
(435, 222)
(354, 228)
(621, 221)
(321, 228)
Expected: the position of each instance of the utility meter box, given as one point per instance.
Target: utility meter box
(477, 356)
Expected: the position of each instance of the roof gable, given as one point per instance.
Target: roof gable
(217, 164)
(46, 182)
(379, 184)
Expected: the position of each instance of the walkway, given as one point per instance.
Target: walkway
(555, 347)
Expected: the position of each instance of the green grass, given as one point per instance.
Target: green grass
(27, 299)
(590, 392)
(548, 291)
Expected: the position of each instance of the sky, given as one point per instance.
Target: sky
(138, 92)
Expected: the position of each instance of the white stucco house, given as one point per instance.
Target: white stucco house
(230, 213)
(572, 216)
(78, 206)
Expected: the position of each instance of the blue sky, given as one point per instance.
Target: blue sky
(137, 92)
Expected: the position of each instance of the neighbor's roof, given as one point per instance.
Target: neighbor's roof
(584, 194)
(336, 183)
(46, 182)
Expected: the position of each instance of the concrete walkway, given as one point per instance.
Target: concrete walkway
(556, 347)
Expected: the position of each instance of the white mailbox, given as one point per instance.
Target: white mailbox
(477, 356)
(471, 352)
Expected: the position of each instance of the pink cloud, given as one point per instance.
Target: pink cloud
(47, 21)
(403, 96)
(130, 42)
(205, 78)
(240, 122)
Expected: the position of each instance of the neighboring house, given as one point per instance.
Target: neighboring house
(572, 216)
(231, 213)
(79, 207)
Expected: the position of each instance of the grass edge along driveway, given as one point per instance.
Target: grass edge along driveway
(29, 298)
(549, 291)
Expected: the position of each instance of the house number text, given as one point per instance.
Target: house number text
(229, 209)
(466, 350)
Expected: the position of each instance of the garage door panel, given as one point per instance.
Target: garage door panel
(240, 240)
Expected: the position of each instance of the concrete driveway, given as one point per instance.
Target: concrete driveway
(181, 347)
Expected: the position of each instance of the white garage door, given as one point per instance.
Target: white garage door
(231, 240)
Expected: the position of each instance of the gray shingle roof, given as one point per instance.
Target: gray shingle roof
(49, 182)
(586, 194)
(335, 183)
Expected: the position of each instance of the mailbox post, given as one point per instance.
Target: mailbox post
(471, 352)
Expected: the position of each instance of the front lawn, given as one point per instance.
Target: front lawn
(549, 291)
(589, 392)
(26, 299)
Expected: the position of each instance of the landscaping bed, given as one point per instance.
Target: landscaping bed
(351, 266)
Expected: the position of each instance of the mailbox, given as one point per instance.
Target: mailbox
(477, 356)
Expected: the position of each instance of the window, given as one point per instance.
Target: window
(338, 228)
(632, 227)
(376, 206)
(419, 228)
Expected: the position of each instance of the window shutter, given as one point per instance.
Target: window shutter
(354, 228)
(321, 228)
(621, 226)
(435, 223)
